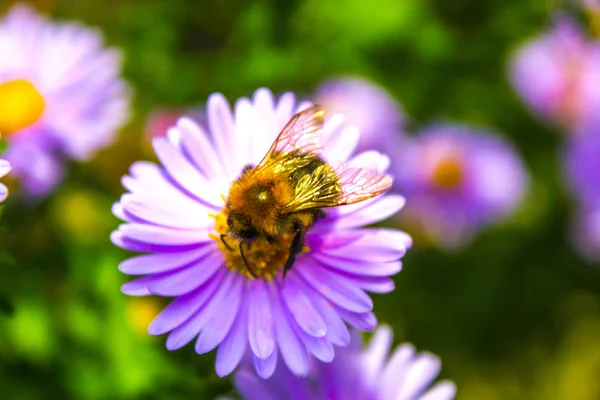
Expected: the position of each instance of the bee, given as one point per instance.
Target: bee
(287, 190)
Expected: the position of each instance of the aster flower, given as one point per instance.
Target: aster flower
(62, 95)
(4, 170)
(458, 180)
(355, 374)
(176, 213)
(369, 107)
(558, 74)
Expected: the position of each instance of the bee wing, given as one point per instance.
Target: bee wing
(301, 134)
(359, 184)
(342, 185)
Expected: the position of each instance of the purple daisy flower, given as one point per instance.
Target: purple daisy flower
(62, 95)
(558, 74)
(458, 180)
(4, 170)
(355, 374)
(176, 212)
(369, 107)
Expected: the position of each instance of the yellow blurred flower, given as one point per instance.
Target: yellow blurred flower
(141, 311)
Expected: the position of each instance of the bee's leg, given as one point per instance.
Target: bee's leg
(295, 247)
(246, 262)
(225, 243)
(247, 168)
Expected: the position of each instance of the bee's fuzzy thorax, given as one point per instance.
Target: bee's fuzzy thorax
(261, 198)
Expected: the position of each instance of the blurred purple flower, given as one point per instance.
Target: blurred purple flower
(586, 233)
(355, 374)
(582, 163)
(171, 212)
(62, 95)
(458, 180)
(4, 170)
(558, 74)
(367, 106)
(593, 5)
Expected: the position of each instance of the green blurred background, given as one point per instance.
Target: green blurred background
(516, 315)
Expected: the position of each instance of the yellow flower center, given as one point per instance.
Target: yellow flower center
(265, 258)
(448, 173)
(21, 105)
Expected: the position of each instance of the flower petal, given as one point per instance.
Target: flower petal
(337, 331)
(392, 376)
(444, 390)
(337, 291)
(246, 128)
(164, 236)
(342, 143)
(222, 127)
(162, 262)
(265, 366)
(5, 167)
(375, 356)
(371, 159)
(302, 309)
(358, 267)
(185, 332)
(183, 307)
(185, 174)
(232, 348)
(261, 331)
(119, 239)
(375, 245)
(365, 321)
(137, 287)
(163, 213)
(382, 208)
(320, 347)
(198, 145)
(3, 192)
(419, 375)
(264, 107)
(292, 351)
(219, 325)
(376, 284)
(176, 283)
(284, 110)
(150, 181)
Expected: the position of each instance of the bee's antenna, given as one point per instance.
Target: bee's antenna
(246, 262)
(225, 243)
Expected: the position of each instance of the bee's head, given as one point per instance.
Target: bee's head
(241, 227)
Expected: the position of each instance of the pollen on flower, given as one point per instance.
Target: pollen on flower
(21, 105)
(264, 257)
(448, 173)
